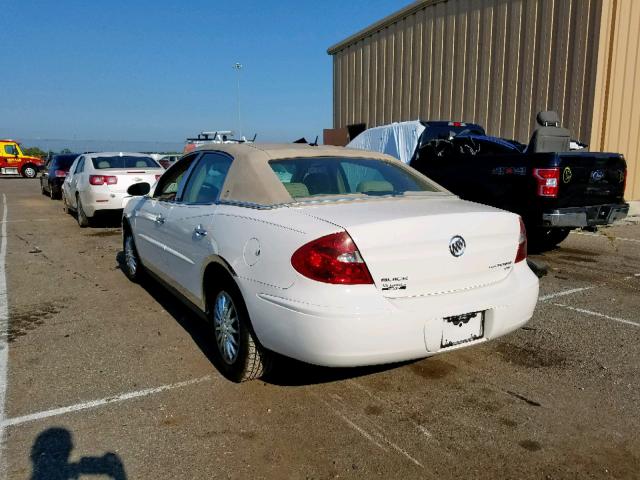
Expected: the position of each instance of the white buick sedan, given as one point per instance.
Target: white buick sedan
(331, 256)
(99, 181)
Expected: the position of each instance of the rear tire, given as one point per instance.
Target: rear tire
(241, 356)
(65, 205)
(83, 220)
(53, 195)
(542, 239)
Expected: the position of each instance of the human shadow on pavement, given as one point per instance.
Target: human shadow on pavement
(285, 371)
(50, 455)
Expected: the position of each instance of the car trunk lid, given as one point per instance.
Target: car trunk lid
(427, 246)
(129, 176)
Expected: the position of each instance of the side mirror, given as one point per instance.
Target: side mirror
(139, 189)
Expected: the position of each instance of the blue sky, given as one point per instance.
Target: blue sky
(162, 70)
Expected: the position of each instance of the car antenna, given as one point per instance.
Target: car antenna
(315, 143)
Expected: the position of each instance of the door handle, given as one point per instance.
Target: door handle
(199, 231)
(159, 219)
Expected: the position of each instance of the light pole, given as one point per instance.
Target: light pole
(238, 67)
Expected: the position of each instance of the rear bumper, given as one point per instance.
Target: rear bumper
(381, 330)
(93, 202)
(590, 216)
(55, 184)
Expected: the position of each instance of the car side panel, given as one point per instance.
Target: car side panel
(68, 187)
(258, 244)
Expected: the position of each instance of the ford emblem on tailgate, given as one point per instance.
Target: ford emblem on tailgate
(457, 246)
(597, 175)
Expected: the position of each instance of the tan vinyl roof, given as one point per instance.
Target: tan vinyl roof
(250, 178)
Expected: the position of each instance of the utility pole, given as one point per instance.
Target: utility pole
(238, 67)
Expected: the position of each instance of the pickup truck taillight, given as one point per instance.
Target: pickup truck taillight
(548, 181)
(103, 179)
(521, 254)
(61, 173)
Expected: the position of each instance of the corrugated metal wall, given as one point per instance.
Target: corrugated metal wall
(616, 119)
(494, 62)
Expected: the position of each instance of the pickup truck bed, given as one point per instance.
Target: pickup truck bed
(559, 191)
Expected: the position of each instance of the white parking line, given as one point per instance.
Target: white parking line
(563, 293)
(596, 314)
(391, 405)
(29, 220)
(367, 435)
(97, 403)
(4, 330)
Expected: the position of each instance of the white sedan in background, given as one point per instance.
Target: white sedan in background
(99, 181)
(331, 256)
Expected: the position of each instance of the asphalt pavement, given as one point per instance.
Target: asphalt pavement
(106, 377)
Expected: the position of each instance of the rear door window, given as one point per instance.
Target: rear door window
(80, 166)
(206, 180)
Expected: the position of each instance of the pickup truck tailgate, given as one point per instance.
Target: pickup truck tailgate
(593, 179)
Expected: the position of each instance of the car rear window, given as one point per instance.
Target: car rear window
(64, 162)
(308, 177)
(102, 163)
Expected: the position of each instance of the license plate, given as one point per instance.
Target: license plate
(462, 328)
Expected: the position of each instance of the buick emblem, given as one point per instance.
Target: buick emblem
(597, 175)
(457, 246)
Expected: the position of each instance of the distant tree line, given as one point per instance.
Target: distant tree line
(37, 152)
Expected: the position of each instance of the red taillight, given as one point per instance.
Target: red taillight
(548, 181)
(332, 259)
(60, 173)
(521, 254)
(158, 177)
(103, 179)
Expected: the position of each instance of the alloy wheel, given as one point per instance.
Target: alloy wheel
(226, 327)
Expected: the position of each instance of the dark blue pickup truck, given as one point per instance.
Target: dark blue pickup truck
(554, 192)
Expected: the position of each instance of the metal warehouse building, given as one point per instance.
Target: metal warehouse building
(497, 63)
